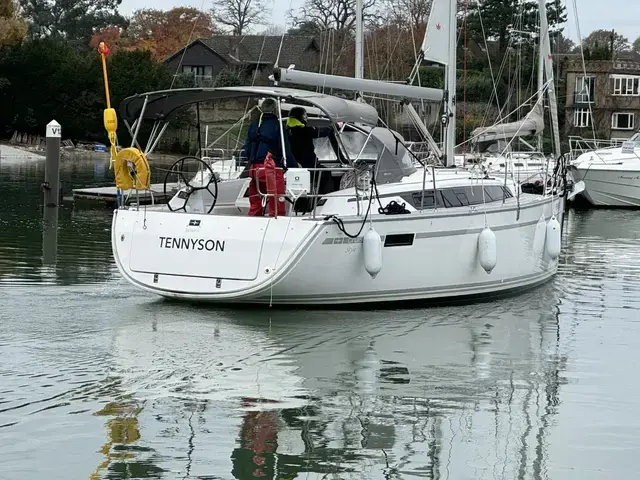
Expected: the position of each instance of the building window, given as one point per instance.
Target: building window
(626, 85)
(198, 70)
(622, 121)
(585, 89)
(581, 117)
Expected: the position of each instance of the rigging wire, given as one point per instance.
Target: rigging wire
(584, 68)
(534, 94)
(184, 50)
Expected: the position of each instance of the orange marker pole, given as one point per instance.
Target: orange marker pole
(104, 51)
(110, 117)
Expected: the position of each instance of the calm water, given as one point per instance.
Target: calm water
(98, 380)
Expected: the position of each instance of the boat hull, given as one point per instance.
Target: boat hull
(609, 187)
(301, 261)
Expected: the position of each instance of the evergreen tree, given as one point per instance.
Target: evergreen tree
(499, 19)
(73, 20)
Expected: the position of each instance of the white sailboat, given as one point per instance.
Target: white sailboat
(386, 232)
(493, 146)
(611, 176)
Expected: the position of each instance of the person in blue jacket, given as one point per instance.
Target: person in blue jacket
(264, 136)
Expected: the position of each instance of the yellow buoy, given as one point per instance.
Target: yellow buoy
(111, 125)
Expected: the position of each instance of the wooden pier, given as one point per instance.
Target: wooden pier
(108, 195)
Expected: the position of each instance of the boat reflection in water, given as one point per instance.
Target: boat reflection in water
(345, 395)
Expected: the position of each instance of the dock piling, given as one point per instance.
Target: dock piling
(51, 185)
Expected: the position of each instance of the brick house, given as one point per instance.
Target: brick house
(206, 58)
(607, 98)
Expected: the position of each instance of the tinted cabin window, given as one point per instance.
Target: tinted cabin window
(450, 198)
(429, 199)
(399, 240)
(458, 196)
(497, 192)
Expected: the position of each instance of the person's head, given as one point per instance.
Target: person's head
(299, 113)
(268, 105)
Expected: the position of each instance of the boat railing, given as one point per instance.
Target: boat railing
(222, 157)
(579, 145)
(360, 193)
(524, 155)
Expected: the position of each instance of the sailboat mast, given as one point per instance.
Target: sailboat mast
(359, 39)
(540, 81)
(450, 70)
(545, 48)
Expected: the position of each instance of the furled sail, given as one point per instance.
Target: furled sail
(435, 46)
(532, 124)
(301, 77)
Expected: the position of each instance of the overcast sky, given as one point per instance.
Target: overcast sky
(621, 15)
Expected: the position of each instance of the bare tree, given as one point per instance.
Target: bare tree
(339, 15)
(402, 10)
(240, 15)
(272, 30)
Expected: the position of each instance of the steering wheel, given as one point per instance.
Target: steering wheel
(178, 169)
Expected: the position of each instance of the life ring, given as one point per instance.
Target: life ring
(141, 179)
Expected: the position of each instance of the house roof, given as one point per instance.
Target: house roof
(258, 48)
(629, 55)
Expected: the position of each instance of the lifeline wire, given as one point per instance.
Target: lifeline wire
(340, 223)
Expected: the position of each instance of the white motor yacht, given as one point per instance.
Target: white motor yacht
(611, 175)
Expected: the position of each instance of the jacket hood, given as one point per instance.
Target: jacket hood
(294, 122)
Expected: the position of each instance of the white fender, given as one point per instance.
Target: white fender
(540, 236)
(487, 249)
(553, 240)
(372, 250)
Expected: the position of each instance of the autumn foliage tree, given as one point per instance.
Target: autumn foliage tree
(13, 28)
(165, 32)
(112, 35)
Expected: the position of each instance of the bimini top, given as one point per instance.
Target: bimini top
(162, 105)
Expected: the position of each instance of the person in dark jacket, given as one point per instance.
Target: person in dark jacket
(301, 137)
(265, 136)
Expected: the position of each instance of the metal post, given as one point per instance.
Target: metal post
(359, 73)
(199, 129)
(451, 87)
(51, 185)
(540, 84)
(134, 139)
